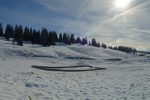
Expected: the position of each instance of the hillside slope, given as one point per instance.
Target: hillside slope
(127, 77)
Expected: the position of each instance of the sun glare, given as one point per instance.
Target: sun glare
(122, 3)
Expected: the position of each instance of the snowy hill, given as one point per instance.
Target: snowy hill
(127, 77)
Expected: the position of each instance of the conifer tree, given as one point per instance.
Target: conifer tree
(68, 39)
(78, 40)
(60, 38)
(94, 43)
(20, 36)
(8, 32)
(30, 34)
(55, 36)
(115, 48)
(11, 32)
(104, 46)
(72, 39)
(44, 37)
(26, 34)
(110, 47)
(50, 36)
(84, 41)
(15, 34)
(89, 43)
(134, 51)
(98, 44)
(1, 30)
(64, 37)
(38, 37)
(34, 37)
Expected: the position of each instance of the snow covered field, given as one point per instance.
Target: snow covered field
(125, 79)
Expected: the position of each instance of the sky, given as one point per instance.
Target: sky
(99, 19)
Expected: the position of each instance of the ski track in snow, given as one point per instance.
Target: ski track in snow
(128, 79)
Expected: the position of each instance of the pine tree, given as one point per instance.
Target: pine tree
(94, 43)
(60, 38)
(72, 39)
(30, 34)
(8, 32)
(11, 32)
(134, 51)
(78, 40)
(44, 37)
(84, 41)
(115, 48)
(64, 37)
(89, 43)
(110, 47)
(50, 36)
(15, 34)
(104, 46)
(68, 39)
(26, 36)
(34, 37)
(38, 37)
(1, 30)
(20, 36)
(98, 44)
(55, 36)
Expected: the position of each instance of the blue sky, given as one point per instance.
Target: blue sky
(91, 18)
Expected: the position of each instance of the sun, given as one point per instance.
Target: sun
(122, 3)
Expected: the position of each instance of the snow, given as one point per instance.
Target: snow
(125, 79)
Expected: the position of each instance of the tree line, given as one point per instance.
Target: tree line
(45, 37)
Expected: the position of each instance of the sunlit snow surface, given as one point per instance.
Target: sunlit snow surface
(128, 79)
